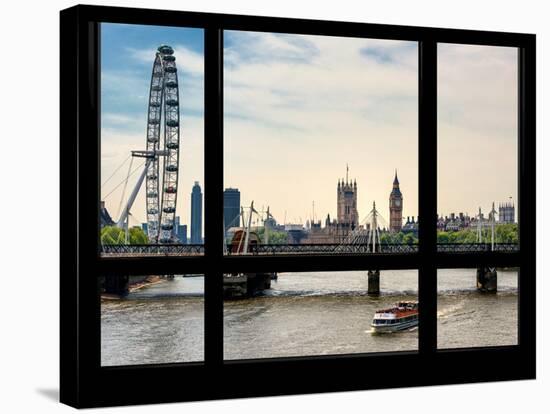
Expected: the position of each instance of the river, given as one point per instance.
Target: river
(319, 313)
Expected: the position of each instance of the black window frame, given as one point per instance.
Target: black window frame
(84, 383)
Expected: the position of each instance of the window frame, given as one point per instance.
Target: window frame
(84, 383)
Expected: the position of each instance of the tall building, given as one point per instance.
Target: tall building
(196, 214)
(231, 207)
(347, 203)
(506, 212)
(176, 224)
(180, 231)
(396, 207)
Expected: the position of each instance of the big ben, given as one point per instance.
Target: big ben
(396, 207)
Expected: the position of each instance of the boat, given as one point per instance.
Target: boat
(402, 315)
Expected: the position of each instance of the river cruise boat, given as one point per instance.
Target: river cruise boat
(402, 315)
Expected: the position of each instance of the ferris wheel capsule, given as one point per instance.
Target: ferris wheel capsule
(165, 50)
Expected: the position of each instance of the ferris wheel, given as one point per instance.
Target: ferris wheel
(162, 151)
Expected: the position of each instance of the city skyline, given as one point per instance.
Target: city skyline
(299, 108)
(319, 103)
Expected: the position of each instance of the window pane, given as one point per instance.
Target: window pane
(152, 140)
(320, 139)
(477, 147)
(477, 307)
(152, 319)
(319, 313)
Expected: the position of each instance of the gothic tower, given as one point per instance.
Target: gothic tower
(396, 207)
(347, 203)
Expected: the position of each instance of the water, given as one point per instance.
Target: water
(319, 313)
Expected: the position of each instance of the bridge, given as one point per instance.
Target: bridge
(364, 240)
(113, 250)
(486, 277)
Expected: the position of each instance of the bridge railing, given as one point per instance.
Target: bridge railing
(313, 249)
(476, 247)
(152, 249)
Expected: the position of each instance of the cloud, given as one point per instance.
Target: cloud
(377, 54)
(331, 80)
(265, 48)
(117, 146)
(477, 126)
(117, 119)
(477, 87)
(187, 60)
(298, 108)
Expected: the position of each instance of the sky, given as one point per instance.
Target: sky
(298, 109)
(477, 127)
(127, 55)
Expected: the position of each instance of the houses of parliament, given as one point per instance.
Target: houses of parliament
(347, 220)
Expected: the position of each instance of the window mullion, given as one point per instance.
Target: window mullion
(213, 194)
(427, 188)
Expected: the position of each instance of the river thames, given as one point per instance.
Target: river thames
(304, 314)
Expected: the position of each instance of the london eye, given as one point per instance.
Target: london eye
(162, 151)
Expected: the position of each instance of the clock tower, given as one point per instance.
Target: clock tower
(396, 207)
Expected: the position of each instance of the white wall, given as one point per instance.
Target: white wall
(29, 176)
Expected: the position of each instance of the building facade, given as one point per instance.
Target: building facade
(347, 215)
(231, 207)
(104, 216)
(180, 231)
(506, 213)
(337, 229)
(196, 214)
(396, 207)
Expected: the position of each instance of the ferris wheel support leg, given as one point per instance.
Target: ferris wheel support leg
(124, 216)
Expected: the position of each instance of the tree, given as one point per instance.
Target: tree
(116, 235)
(275, 237)
(507, 233)
(504, 233)
(442, 237)
(398, 238)
(138, 236)
(409, 239)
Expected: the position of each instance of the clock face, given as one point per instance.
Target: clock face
(397, 203)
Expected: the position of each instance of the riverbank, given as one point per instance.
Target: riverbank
(149, 281)
(135, 286)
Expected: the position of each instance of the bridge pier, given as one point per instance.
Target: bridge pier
(486, 278)
(374, 282)
(116, 285)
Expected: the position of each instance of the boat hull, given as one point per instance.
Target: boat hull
(394, 327)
